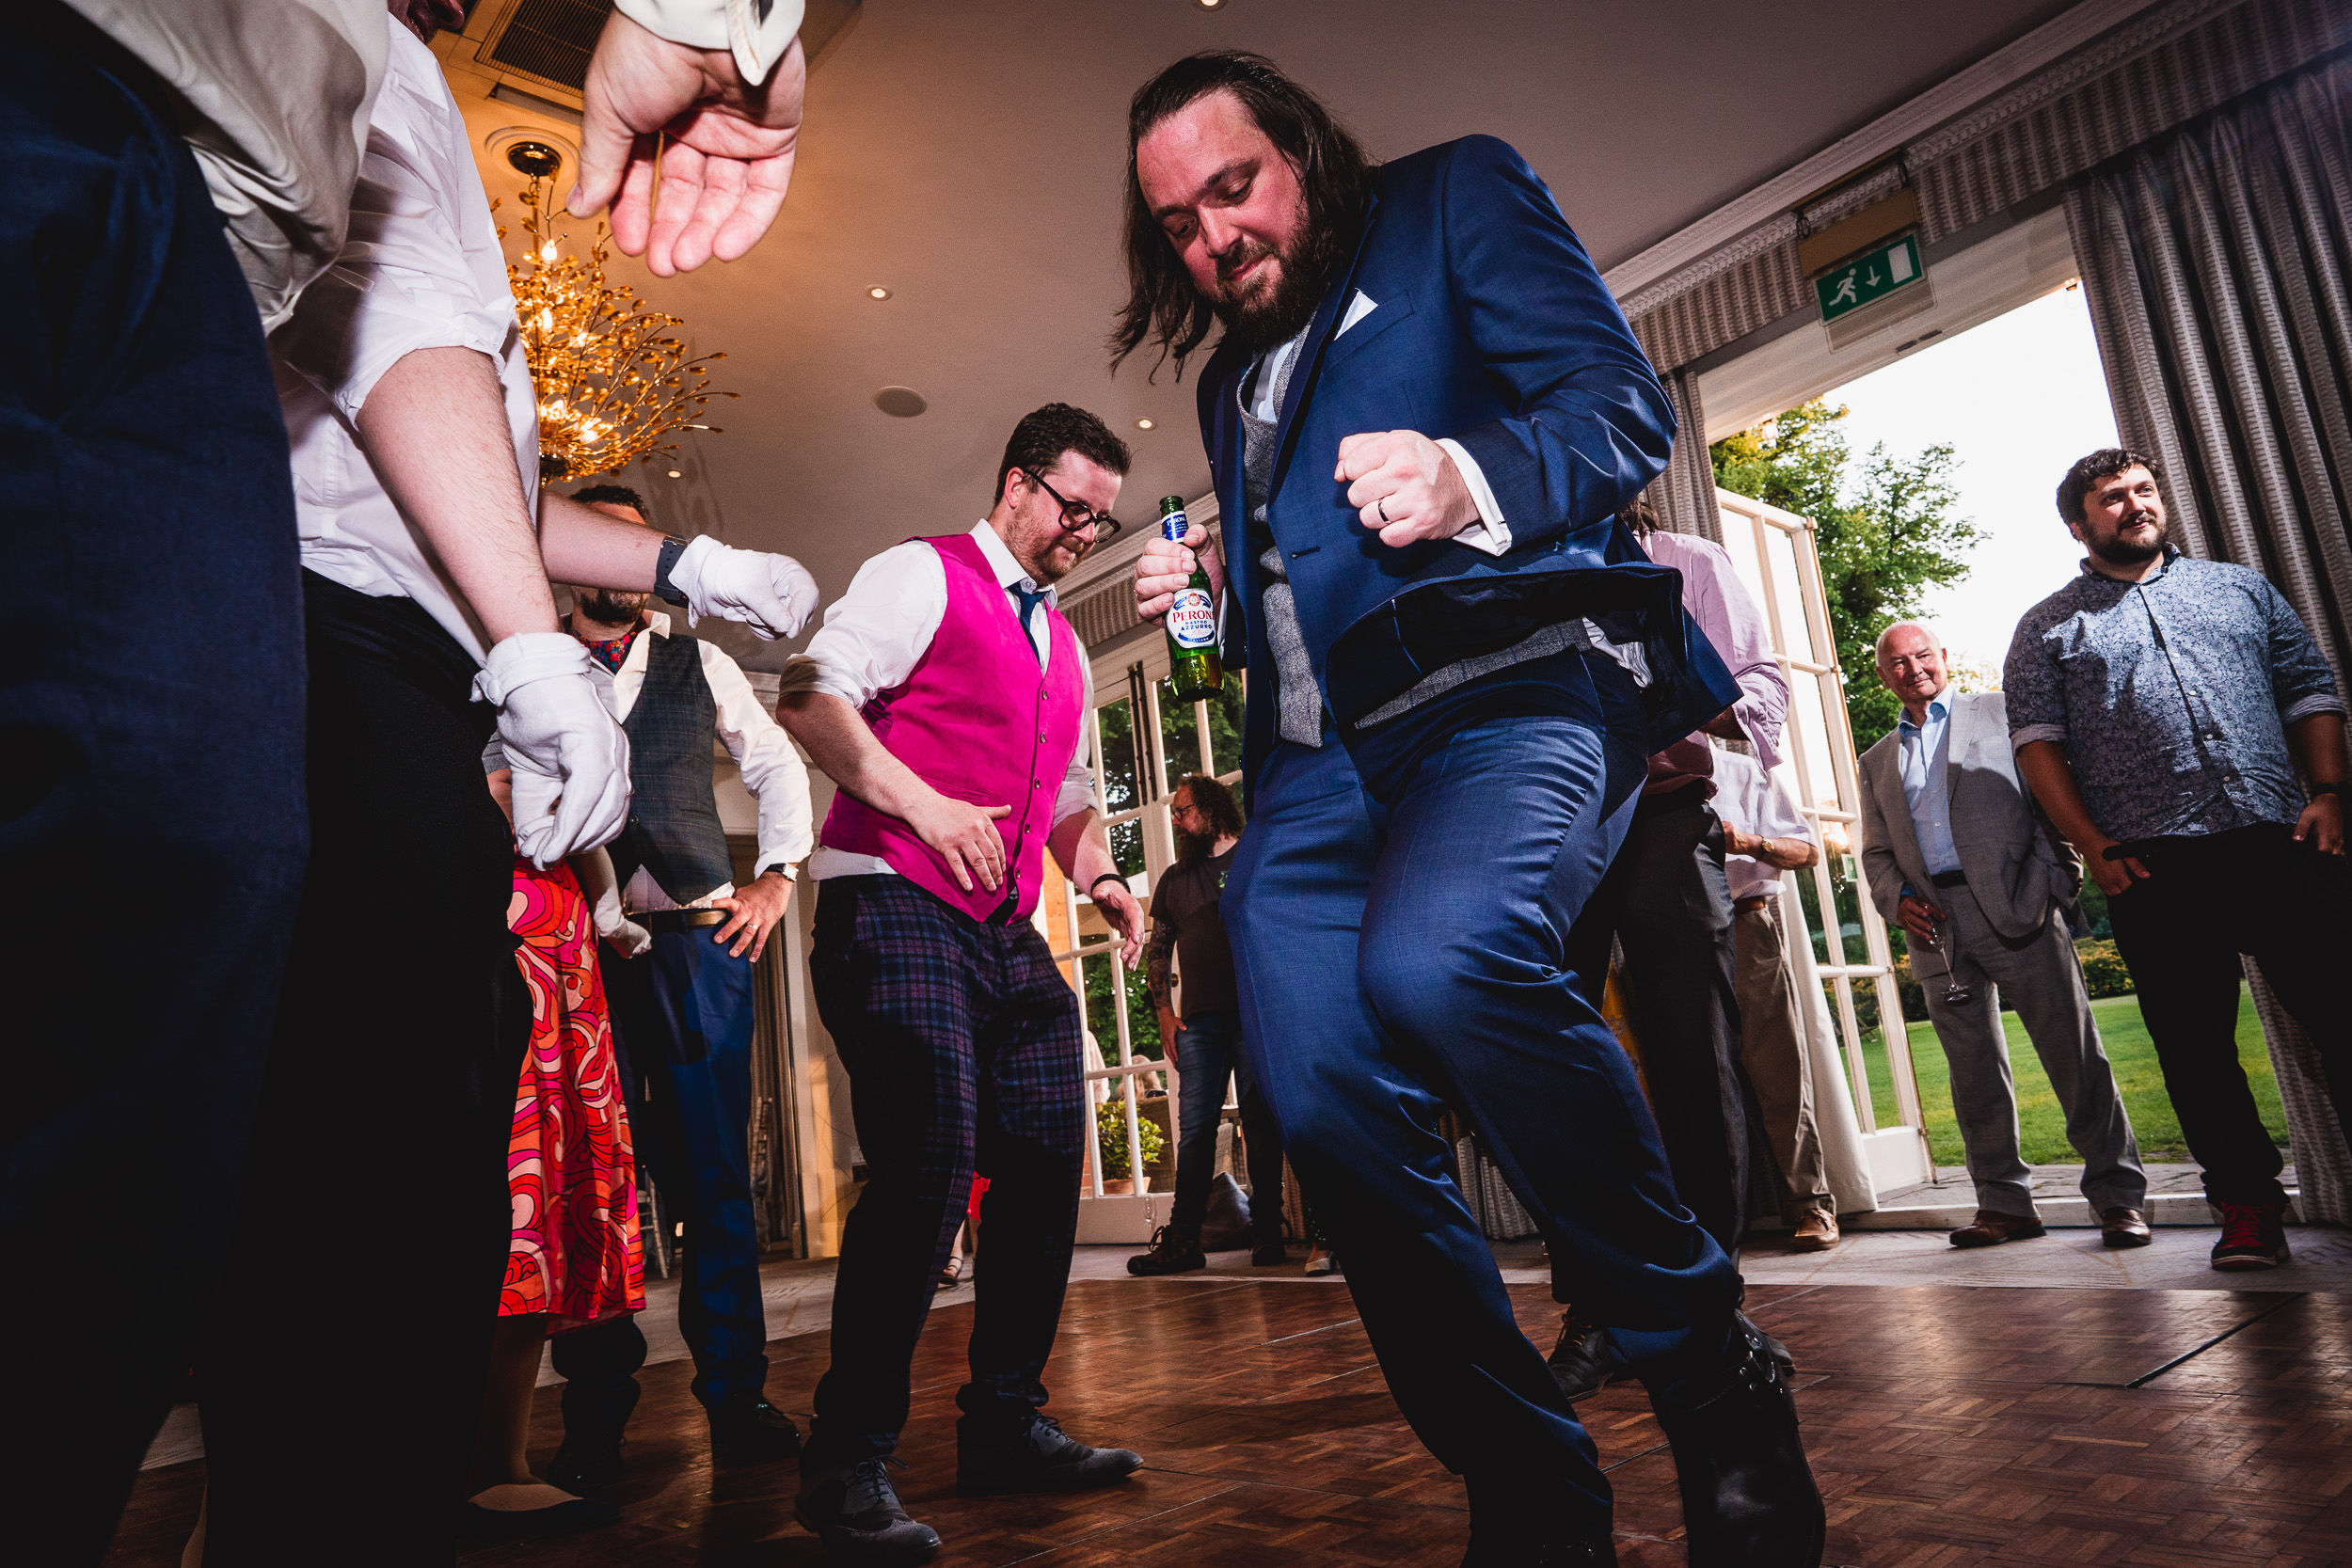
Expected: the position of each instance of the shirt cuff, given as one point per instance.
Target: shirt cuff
(1489, 533)
(2318, 702)
(783, 868)
(2029, 733)
(756, 32)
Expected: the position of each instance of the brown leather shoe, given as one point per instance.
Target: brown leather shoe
(1817, 1230)
(1992, 1227)
(2124, 1227)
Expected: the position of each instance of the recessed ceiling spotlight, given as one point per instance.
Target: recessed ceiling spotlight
(901, 403)
(1210, 5)
(674, 474)
(1143, 425)
(878, 292)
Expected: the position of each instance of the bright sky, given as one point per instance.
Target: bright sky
(2019, 398)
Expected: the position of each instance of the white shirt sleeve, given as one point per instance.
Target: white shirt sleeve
(772, 770)
(875, 634)
(756, 31)
(1488, 533)
(1077, 780)
(404, 280)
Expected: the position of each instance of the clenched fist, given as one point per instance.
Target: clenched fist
(1406, 485)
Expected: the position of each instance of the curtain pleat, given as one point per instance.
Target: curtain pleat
(1685, 493)
(2215, 261)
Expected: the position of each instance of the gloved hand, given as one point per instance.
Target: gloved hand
(773, 594)
(570, 759)
(628, 938)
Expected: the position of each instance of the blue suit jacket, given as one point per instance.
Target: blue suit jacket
(1491, 327)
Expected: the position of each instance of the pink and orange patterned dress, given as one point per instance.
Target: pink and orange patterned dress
(570, 1172)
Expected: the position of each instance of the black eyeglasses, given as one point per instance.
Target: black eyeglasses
(1077, 516)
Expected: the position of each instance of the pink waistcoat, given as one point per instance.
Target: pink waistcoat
(978, 721)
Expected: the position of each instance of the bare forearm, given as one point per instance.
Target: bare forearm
(2050, 777)
(2317, 741)
(840, 744)
(583, 545)
(436, 432)
(1082, 849)
(1788, 854)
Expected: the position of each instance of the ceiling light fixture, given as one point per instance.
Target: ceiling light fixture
(674, 474)
(1143, 425)
(878, 292)
(1210, 5)
(900, 403)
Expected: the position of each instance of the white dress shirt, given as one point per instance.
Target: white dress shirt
(421, 268)
(772, 770)
(1749, 799)
(1923, 754)
(876, 634)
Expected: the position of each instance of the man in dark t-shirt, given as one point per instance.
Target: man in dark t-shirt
(1206, 1041)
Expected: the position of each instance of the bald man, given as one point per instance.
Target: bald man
(1955, 853)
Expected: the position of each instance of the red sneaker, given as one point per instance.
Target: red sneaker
(2253, 1236)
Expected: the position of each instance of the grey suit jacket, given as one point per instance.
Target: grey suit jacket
(2012, 868)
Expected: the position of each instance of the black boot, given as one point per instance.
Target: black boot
(1748, 1494)
(1580, 1361)
(590, 1456)
(1172, 1252)
(1267, 1250)
(747, 1430)
(1040, 1458)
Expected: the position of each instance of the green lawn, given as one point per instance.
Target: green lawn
(2041, 1128)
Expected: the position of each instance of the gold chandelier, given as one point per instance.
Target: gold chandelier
(611, 379)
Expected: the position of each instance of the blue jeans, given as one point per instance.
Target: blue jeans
(682, 1019)
(1208, 1052)
(150, 750)
(1394, 958)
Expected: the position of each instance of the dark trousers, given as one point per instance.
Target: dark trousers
(683, 1016)
(1208, 1052)
(378, 1161)
(962, 1044)
(2206, 901)
(152, 825)
(1666, 902)
(1396, 960)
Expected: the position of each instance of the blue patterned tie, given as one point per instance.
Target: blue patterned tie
(1030, 601)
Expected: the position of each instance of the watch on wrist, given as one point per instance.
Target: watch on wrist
(2331, 788)
(662, 587)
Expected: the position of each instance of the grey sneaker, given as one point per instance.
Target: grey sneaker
(854, 1510)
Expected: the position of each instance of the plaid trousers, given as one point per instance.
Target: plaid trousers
(962, 1043)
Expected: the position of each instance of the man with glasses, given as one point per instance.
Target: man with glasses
(946, 698)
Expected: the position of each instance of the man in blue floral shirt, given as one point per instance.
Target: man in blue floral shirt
(2163, 709)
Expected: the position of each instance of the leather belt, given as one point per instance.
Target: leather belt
(1950, 878)
(680, 920)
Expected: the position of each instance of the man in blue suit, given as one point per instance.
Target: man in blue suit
(1423, 415)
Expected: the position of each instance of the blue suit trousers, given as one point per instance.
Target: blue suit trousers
(1401, 955)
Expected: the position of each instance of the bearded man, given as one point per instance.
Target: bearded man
(2161, 709)
(1423, 418)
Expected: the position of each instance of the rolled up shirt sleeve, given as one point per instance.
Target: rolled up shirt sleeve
(403, 281)
(2032, 690)
(875, 634)
(755, 32)
(772, 770)
(2300, 677)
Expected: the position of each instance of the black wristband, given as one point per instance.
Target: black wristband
(662, 587)
(2330, 789)
(1105, 876)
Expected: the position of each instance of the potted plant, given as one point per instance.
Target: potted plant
(1110, 1144)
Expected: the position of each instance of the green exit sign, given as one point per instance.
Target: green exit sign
(1869, 277)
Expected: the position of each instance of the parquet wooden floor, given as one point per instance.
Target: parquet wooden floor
(1949, 1426)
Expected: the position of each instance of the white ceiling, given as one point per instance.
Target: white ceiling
(969, 156)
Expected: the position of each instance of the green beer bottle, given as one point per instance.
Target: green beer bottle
(1192, 662)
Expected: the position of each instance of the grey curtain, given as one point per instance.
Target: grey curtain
(1685, 493)
(2217, 261)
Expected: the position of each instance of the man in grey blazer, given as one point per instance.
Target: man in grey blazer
(1954, 852)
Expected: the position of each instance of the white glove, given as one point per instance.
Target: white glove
(773, 594)
(628, 938)
(570, 759)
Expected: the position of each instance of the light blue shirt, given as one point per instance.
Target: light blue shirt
(1925, 755)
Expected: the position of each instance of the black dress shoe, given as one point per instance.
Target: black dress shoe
(1172, 1252)
(585, 1464)
(855, 1512)
(1773, 1348)
(1043, 1458)
(1268, 1252)
(1579, 1360)
(1489, 1550)
(1748, 1494)
(747, 1430)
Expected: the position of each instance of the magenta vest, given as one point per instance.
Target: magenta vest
(978, 721)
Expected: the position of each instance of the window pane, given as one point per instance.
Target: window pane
(1101, 1012)
(1740, 544)
(1780, 554)
(1127, 846)
(1180, 737)
(1225, 724)
(1120, 773)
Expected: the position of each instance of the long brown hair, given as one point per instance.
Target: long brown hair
(1334, 173)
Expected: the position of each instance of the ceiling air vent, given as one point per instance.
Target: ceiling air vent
(546, 42)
